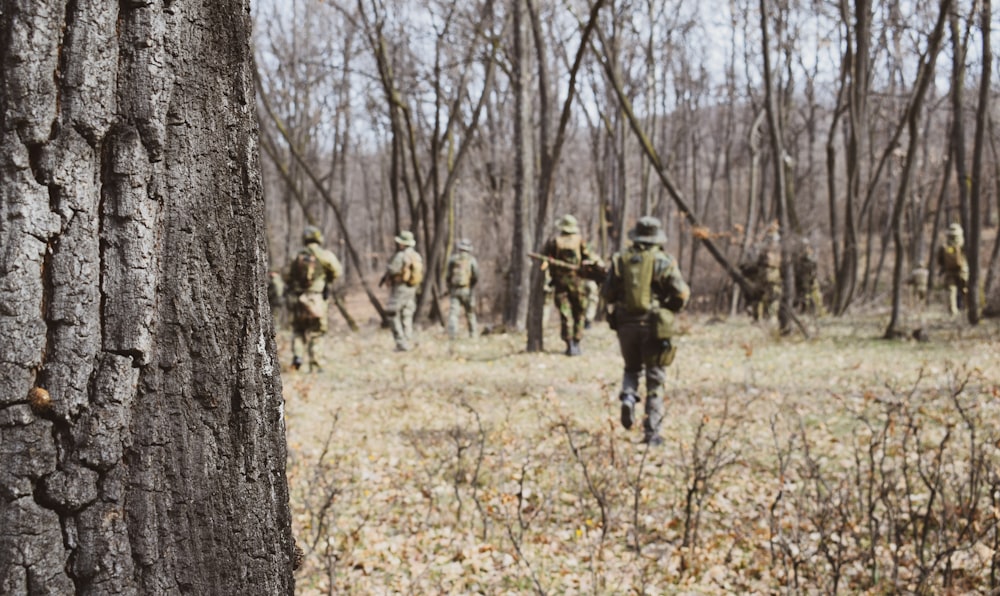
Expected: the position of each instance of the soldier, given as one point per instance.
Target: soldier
(568, 286)
(645, 288)
(276, 296)
(593, 301)
(405, 272)
(462, 276)
(769, 275)
(807, 294)
(310, 277)
(954, 267)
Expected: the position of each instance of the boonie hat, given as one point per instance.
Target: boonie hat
(647, 231)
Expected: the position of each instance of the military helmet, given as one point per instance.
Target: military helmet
(955, 230)
(405, 238)
(567, 224)
(464, 245)
(312, 234)
(648, 230)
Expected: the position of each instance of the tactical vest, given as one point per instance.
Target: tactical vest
(460, 271)
(951, 258)
(302, 272)
(637, 277)
(569, 248)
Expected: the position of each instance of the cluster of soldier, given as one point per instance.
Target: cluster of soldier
(642, 288)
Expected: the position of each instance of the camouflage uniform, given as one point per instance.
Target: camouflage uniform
(643, 318)
(593, 301)
(769, 277)
(807, 294)
(569, 289)
(308, 299)
(954, 267)
(463, 274)
(404, 272)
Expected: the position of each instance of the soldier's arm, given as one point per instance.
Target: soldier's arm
(670, 286)
(395, 266)
(611, 288)
(331, 266)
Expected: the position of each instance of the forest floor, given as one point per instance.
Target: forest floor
(836, 462)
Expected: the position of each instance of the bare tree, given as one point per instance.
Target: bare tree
(141, 427)
(925, 73)
(975, 222)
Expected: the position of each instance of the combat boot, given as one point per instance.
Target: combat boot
(652, 439)
(628, 410)
(297, 363)
(577, 350)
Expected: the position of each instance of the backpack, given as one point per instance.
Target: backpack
(460, 271)
(413, 269)
(637, 276)
(302, 272)
(951, 258)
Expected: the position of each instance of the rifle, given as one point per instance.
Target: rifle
(588, 269)
(385, 278)
(554, 261)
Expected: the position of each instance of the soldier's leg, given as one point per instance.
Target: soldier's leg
(593, 300)
(396, 322)
(578, 301)
(470, 314)
(953, 298)
(315, 354)
(408, 309)
(298, 345)
(630, 342)
(454, 305)
(565, 314)
(656, 376)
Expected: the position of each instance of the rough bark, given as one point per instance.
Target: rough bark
(141, 422)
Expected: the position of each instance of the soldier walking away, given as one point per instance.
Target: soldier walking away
(645, 289)
(569, 290)
(769, 275)
(954, 267)
(405, 272)
(310, 278)
(808, 297)
(463, 274)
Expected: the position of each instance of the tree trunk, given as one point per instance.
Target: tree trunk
(975, 224)
(774, 119)
(141, 420)
(925, 73)
(524, 175)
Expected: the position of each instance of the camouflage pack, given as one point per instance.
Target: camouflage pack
(951, 258)
(302, 271)
(413, 269)
(460, 271)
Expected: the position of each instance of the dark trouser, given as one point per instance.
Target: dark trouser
(571, 301)
(641, 351)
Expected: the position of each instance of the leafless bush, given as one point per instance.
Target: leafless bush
(712, 450)
(913, 507)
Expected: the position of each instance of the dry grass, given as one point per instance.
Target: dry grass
(474, 467)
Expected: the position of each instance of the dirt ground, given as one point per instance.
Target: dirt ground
(471, 466)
